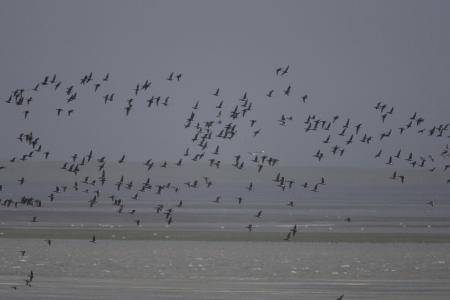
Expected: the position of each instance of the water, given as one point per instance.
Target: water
(394, 247)
(224, 270)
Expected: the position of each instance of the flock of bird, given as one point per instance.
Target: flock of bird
(208, 134)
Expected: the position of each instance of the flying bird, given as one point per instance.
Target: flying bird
(287, 91)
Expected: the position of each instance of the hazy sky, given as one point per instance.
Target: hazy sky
(346, 55)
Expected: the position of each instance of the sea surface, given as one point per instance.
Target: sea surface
(360, 236)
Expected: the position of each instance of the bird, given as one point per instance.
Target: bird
(288, 236)
(389, 162)
(285, 70)
(146, 85)
(260, 168)
(216, 151)
(128, 109)
(278, 70)
(322, 180)
(394, 175)
(378, 153)
(93, 240)
(287, 91)
(58, 111)
(294, 230)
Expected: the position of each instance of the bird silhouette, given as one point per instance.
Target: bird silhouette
(287, 91)
(285, 70)
(288, 236)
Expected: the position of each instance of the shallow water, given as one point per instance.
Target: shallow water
(77, 269)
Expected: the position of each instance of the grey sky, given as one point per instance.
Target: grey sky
(346, 55)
